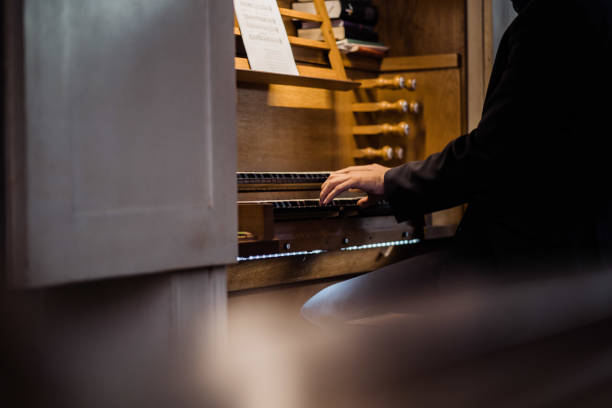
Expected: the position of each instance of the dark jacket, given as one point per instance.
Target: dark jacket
(537, 170)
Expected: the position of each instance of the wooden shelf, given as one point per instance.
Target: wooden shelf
(332, 78)
(297, 41)
(311, 77)
(300, 15)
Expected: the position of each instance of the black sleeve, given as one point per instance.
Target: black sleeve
(518, 107)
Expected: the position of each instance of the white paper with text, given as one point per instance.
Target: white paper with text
(264, 36)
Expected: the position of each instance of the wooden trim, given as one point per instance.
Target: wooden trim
(333, 264)
(476, 55)
(300, 15)
(488, 41)
(307, 43)
(335, 59)
(297, 41)
(421, 62)
(311, 77)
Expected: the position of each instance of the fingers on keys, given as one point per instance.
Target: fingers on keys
(334, 188)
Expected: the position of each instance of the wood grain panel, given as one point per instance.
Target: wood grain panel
(416, 27)
(420, 62)
(257, 274)
(282, 139)
(439, 92)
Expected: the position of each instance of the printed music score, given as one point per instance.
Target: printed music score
(264, 36)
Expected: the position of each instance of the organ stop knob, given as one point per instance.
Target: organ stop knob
(400, 129)
(385, 153)
(401, 106)
(396, 82)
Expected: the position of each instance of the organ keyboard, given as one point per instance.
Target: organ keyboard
(309, 208)
(272, 225)
(275, 181)
(281, 177)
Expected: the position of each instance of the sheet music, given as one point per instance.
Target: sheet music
(264, 36)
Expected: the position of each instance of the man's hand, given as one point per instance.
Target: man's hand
(368, 178)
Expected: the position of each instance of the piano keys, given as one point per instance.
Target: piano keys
(310, 208)
(280, 181)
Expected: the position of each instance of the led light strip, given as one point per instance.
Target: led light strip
(320, 251)
(282, 255)
(382, 244)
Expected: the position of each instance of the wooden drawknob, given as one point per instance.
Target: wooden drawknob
(404, 106)
(401, 106)
(400, 129)
(385, 153)
(396, 82)
(412, 106)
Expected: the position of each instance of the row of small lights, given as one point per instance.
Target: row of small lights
(281, 255)
(320, 251)
(382, 244)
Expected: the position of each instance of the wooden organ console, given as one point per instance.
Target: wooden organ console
(276, 227)
(344, 111)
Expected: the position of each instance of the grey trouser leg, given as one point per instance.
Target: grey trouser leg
(378, 292)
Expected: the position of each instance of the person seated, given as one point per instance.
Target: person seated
(534, 173)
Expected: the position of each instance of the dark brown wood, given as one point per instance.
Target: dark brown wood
(420, 62)
(417, 27)
(307, 268)
(257, 220)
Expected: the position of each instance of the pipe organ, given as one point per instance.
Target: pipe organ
(345, 110)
